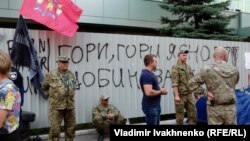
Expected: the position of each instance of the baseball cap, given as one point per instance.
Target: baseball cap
(63, 59)
(104, 97)
(183, 52)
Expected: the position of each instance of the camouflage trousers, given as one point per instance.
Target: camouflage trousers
(186, 103)
(56, 117)
(103, 125)
(222, 115)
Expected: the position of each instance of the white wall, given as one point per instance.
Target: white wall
(101, 61)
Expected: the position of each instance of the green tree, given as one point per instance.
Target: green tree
(203, 19)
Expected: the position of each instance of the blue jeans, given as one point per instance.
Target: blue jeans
(152, 115)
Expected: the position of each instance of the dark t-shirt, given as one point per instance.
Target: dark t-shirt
(149, 78)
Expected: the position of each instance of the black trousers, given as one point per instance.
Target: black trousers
(14, 136)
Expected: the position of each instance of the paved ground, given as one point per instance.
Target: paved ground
(91, 135)
(88, 137)
(83, 135)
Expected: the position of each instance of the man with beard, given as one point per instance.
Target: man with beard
(60, 86)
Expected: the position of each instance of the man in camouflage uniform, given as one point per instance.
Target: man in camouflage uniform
(181, 73)
(60, 86)
(220, 79)
(104, 115)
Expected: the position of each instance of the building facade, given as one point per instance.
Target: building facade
(132, 14)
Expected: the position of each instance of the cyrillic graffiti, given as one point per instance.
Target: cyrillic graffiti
(91, 53)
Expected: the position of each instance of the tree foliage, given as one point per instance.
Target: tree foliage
(202, 19)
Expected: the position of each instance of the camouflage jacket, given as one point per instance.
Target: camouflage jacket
(220, 79)
(61, 94)
(99, 113)
(180, 75)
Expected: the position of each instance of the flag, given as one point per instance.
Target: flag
(73, 11)
(59, 15)
(23, 49)
(20, 53)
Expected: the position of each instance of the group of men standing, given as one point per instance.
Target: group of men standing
(220, 79)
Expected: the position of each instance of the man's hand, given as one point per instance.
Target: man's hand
(210, 96)
(164, 91)
(177, 98)
(110, 116)
(197, 97)
(176, 94)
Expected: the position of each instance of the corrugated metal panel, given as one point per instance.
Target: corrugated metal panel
(112, 63)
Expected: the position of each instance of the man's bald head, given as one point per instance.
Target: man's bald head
(220, 53)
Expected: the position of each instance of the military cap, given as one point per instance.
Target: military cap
(63, 59)
(183, 52)
(104, 97)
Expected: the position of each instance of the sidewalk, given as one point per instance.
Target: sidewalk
(91, 134)
(81, 135)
